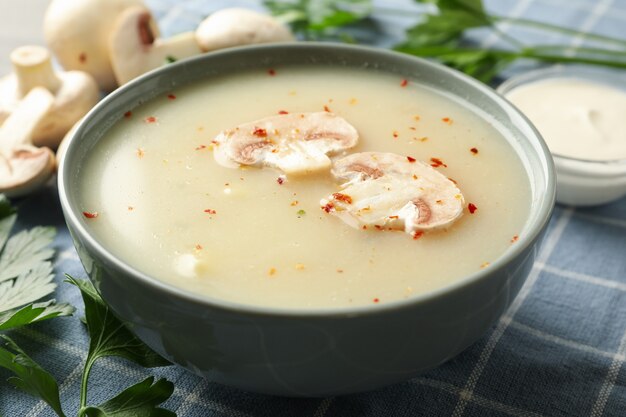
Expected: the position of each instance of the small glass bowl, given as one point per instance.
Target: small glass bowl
(581, 182)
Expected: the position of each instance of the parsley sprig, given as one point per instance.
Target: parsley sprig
(442, 33)
(25, 277)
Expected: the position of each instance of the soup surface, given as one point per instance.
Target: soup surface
(154, 195)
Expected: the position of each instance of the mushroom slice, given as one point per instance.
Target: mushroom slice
(390, 191)
(295, 143)
(24, 167)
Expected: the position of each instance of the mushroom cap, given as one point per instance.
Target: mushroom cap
(296, 143)
(387, 190)
(135, 48)
(25, 170)
(77, 95)
(237, 26)
(78, 33)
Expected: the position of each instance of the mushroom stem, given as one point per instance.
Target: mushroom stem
(33, 68)
(18, 129)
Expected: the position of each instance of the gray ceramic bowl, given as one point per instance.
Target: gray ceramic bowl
(299, 352)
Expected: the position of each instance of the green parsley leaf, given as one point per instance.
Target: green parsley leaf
(301, 213)
(170, 59)
(26, 251)
(25, 273)
(30, 377)
(139, 400)
(33, 313)
(312, 17)
(109, 336)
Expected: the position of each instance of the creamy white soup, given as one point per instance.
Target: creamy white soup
(154, 195)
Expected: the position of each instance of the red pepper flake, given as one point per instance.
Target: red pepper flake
(262, 133)
(364, 227)
(283, 112)
(327, 109)
(280, 180)
(415, 177)
(342, 197)
(82, 58)
(294, 203)
(379, 227)
(340, 271)
(199, 148)
(210, 211)
(474, 151)
(411, 159)
(472, 208)
(171, 97)
(395, 134)
(514, 239)
(198, 247)
(447, 120)
(404, 83)
(150, 119)
(417, 234)
(131, 208)
(271, 72)
(328, 207)
(128, 114)
(436, 162)
(376, 300)
(393, 217)
(90, 214)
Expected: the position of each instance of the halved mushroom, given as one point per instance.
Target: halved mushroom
(135, 46)
(236, 26)
(78, 33)
(390, 191)
(24, 167)
(296, 143)
(75, 93)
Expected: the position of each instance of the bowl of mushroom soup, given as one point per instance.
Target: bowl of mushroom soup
(307, 219)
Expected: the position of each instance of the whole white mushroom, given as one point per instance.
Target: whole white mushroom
(236, 26)
(77, 32)
(74, 93)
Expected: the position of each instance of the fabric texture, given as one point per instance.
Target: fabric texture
(558, 351)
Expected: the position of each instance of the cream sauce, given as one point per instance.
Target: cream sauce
(577, 118)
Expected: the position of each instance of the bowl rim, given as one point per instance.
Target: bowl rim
(536, 222)
(601, 76)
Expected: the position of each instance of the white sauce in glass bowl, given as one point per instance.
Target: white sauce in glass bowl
(577, 118)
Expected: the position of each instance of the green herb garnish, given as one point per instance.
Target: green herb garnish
(26, 276)
(317, 18)
(441, 34)
(170, 59)
(301, 213)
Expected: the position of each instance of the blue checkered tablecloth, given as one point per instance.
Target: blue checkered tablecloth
(560, 350)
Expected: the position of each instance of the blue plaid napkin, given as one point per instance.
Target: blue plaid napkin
(558, 351)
